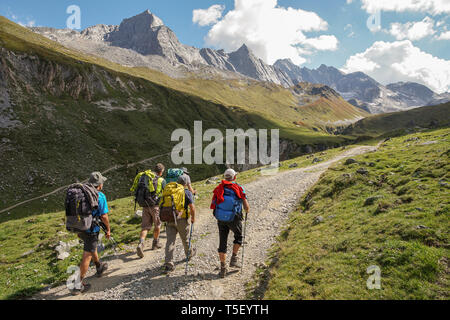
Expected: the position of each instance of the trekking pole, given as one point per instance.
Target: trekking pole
(111, 239)
(137, 172)
(189, 251)
(243, 241)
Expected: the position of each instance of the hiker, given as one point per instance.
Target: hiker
(174, 174)
(188, 179)
(148, 193)
(90, 237)
(177, 215)
(228, 199)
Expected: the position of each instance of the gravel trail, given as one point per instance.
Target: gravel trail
(271, 198)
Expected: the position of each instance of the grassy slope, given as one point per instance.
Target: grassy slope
(405, 232)
(21, 275)
(391, 123)
(60, 129)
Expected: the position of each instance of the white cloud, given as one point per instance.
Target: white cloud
(430, 6)
(413, 30)
(443, 36)
(29, 23)
(390, 62)
(270, 31)
(209, 16)
(323, 43)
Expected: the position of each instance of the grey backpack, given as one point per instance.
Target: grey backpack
(78, 210)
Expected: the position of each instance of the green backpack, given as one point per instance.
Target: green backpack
(173, 175)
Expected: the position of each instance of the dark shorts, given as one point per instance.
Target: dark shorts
(224, 231)
(90, 241)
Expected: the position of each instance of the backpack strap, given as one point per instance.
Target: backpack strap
(174, 210)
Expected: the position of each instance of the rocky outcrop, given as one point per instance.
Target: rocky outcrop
(248, 64)
(147, 35)
(218, 59)
(34, 75)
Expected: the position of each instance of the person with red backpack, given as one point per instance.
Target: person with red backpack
(228, 200)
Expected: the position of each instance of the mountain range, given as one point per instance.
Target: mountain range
(365, 92)
(144, 41)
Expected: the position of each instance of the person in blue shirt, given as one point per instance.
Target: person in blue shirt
(90, 237)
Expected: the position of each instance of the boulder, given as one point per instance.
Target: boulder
(63, 249)
(371, 200)
(428, 143)
(138, 214)
(362, 171)
(350, 161)
(294, 165)
(317, 220)
(442, 183)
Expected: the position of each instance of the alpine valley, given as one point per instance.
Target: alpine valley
(68, 100)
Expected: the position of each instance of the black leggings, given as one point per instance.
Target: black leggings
(224, 231)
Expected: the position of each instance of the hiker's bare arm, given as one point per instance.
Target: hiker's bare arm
(105, 220)
(246, 206)
(192, 211)
(194, 192)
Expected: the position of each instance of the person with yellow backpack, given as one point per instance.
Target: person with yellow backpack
(148, 187)
(177, 209)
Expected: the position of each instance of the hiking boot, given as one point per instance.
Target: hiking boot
(234, 263)
(168, 268)
(101, 269)
(140, 250)
(84, 288)
(223, 271)
(156, 245)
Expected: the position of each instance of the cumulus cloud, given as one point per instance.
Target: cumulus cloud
(270, 31)
(322, 43)
(434, 7)
(413, 30)
(443, 36)
(209, 16)
(390, 62)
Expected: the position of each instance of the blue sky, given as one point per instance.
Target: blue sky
(344, 17)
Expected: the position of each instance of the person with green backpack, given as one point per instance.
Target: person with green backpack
(148, 187)
(177, 210)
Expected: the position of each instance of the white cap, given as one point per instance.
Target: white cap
(230, 174)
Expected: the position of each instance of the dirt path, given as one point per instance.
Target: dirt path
(271, 198)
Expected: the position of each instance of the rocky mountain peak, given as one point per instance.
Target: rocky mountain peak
(244, 50)
(142, 22)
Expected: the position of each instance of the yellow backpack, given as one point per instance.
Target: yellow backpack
(172, 203)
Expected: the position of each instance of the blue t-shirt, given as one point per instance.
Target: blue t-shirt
(101, 211)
